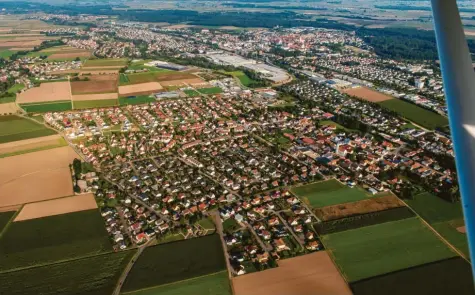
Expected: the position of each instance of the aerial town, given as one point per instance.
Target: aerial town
(281, 152)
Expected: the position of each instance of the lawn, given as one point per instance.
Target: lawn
(214, 284)
(245, 80)
(415, 113)
(123, 80)
(206, 223)
(211, 90)
(5, 219)
(96, 275)
(168, 238)
(13, 128)
(6, 53)
(58, 106)
(450, 276)
(109, 62)
(434, 209)
(230, 225)
(15, 88)
(191, 92)
(329, 192)
(177, 261)
(379, 249)
(141, 99)
(54, 238)
(89, 104)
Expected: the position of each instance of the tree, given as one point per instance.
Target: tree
(77, 167)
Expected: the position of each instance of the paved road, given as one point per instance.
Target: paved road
(289, 229)
(263, 246)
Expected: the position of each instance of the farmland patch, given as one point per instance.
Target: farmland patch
(59, 106)
(367, 94)
(13, 128)
(89, 104)
(46, 92)
(31, 145)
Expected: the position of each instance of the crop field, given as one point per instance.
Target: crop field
(304, 275)
(434, 209)
(142, 99)
(54, 238)
(57, 207)
(46, 171)
(191, 92)
(361, 220)
(359, 207)
(453, 233)
(31, 145)
(6, 53)
(177, 261)
(7, 99)
(163, 76)
(93, 87)
(383, 248)
(5, 218)
(415, 113)
(59, 106)
(327, 193)
(367, 94)
(214, 284)
(245, 80)
(46, 92)
(212, 90)
(13, 128)
(449, 276)
(88, 104)
(95, 275)
(140, 89)
(109, 62)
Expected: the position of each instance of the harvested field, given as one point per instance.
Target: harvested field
(63, 72)
(162, 76)
(53, 91)
(20, 44)
(85, 97)
(367, 94)
(360, 207)
(98, 72)
(45, 171)
(23, 146)
(304, 275)
(69, 55)
(143, 88)
(93, 87)
(57, 207)
(8, 108)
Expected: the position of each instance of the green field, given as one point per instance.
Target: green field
(450, 276)
(191, 92)
(206, 223)
(415, 113)
(96, 275)
(245, 80)
(145, 77)
(379, 249)
(123, 80)
(13, 128)
(7, 99)
(6, 53)
(5, 218)
(141, 99)
(58, 106)
(434, 209)
(15, 88)
(214, 284)
(59, 143)
(449, 231)
(327, 193)
(177, 261)
(109, 62)
(54, 238)
(211, 90)
(88, 104)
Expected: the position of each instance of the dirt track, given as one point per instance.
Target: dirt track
(53, 91)
(304, 275)
(57, 207)
(367, 94)
(36, 176)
